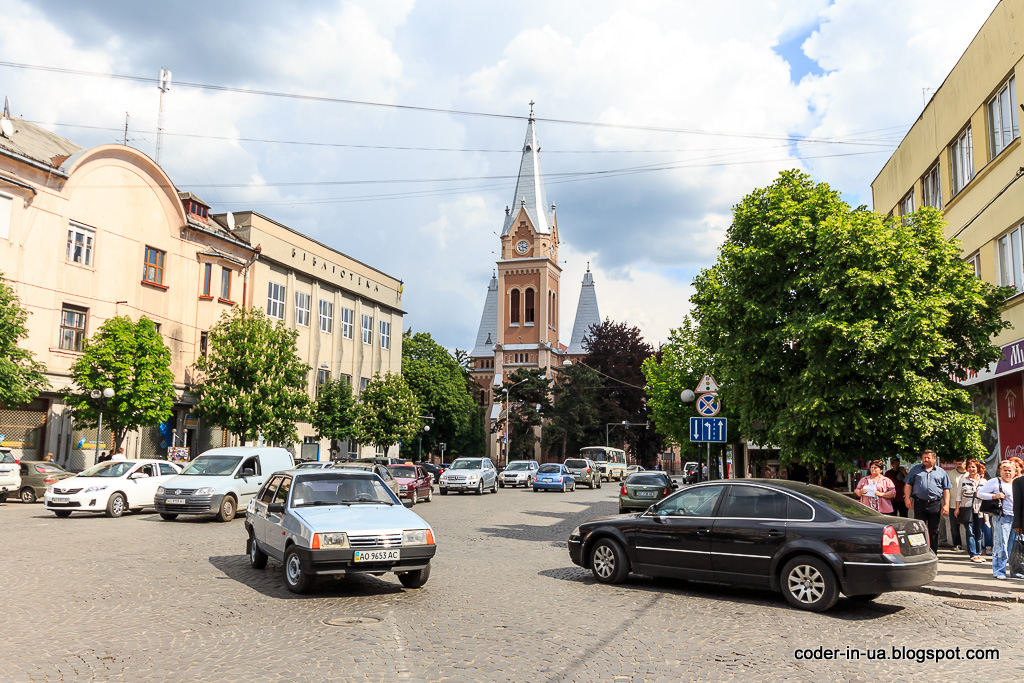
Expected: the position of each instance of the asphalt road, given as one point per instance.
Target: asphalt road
(141, 599)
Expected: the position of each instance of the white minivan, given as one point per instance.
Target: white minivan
(220, 481)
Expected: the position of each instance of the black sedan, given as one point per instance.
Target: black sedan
(806, 541)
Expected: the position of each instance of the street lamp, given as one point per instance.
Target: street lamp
(101, 398)
(505, 399)
(426, 428)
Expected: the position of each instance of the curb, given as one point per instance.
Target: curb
(989, 596)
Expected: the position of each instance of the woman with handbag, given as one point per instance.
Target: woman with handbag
(997, 501)
(968, 509)
(876, 490)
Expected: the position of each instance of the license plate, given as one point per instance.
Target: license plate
(375, 555)
(916, 540)
(175, 501)
(60, 499)
(645, 494)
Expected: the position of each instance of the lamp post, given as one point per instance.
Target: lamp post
(506, 400)
(426, 428)
(101, 398)
(687, 396)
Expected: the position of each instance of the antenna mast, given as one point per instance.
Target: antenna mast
(164, 84)
(126, 117)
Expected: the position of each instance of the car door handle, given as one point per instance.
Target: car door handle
(775, 533)
(703, 531)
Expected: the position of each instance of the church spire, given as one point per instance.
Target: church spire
(529, 186)
(587, 315)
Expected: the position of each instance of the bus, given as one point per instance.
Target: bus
(611, 461)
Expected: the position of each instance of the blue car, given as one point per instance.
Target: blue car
(554, 477)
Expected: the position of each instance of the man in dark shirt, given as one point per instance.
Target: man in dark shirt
(927, 492)
(897, 474)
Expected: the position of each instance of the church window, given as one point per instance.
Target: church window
(514, 307)
(528, 317)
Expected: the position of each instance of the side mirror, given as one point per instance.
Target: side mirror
(275, 507)
(248, 472)
(675, 484)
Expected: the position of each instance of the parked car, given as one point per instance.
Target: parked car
(220, 481)
(388, 461)
(691, 473)
(634, 468)
(370, 466)
(519, 473)
(469, 474)
(113, 487)
(553, 476)
(805, 541)
(433, 470)
(413, 482)
(314, 465)
(10, 474)
(335, 522)
(36, 476)
(642, 489)
(584, 471)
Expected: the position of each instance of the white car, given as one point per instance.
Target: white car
(113, 487)
(470, 474)
(10, 474)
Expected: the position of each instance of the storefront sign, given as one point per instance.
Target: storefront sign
(1010, 401)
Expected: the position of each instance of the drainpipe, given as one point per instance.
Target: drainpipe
(245, 274)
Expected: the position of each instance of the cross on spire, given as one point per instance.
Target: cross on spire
(531, 109)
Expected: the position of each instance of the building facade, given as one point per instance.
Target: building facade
(963, 156)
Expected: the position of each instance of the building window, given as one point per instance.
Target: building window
(528, 317)
(961, 160)
(931, 189)
(302, 309)
(326, 316)
(348, 317)
(80, 244)
(513, 307)
(1002, 118)
(153, 268)
(975, 263)
(275, 300)
(385, 335)
(323, 376)
(204, 343)
(367, 329)
(225, 283)
(363, 381)
(1010, 264)
(207, 276)
(6, 210)
(347, 379)
(907, 206)
(72, 327)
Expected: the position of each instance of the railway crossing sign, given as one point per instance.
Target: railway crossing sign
(708, 405)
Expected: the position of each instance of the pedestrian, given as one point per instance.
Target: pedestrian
(103, 457)
(926, 491)
(897, 474)
(119, 455)
(1001, 489)
(876, 490)
(704, 472)
(955, 478)
(48, 458)
(968, 509)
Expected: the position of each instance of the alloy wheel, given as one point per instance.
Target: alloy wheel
(806, 584)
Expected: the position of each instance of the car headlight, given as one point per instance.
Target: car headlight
(417, 537)
(208, 491)
(472, 477)
(93, 489)
(159, 490)
(575, 533)
(335, 539)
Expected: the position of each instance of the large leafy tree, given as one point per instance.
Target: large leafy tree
(840, 329)
(335, 413)
(388, 412)
(440, 384)
(527, 400)
(253, 379)
(21, 376)
(574, 418)
(132, 359)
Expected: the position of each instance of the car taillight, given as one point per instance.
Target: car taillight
(588, 470)
(50, 480)
(667, 491)
(890, 542)
(622, 491)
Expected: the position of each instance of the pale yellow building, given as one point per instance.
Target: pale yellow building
(964, 156)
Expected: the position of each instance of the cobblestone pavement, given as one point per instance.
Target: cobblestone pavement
(141, 599)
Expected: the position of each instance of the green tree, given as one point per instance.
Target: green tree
(574, 419)
(388, 412)
(132, 359)
(528, 400)
(335, 412)
(21, 376)
(840, 329)
(254, 381)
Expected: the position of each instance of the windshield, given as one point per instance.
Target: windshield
(596, 454)
(403, 471)
(550, 469)
(336, 489)
(647, 479)
(116, 468)
(576, 463)
(518, 465)
(213, 465)
(472, 464)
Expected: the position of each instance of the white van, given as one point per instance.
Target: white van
(220, 481)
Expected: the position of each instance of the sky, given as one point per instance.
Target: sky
(392, 130)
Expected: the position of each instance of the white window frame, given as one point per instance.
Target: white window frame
(302, 309)
(87, 244)
(1000, 131)
(348, 317)
(367, 329)
(975, 264)
(385, 334)
(961, 160)
(326, 316)
(907, 206)
(275, 300)
(1009, 259)
(225, 283)
(6, 215)
(931, 187)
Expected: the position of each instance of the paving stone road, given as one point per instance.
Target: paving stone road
(141, 599)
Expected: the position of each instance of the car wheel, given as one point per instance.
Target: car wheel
(501, 484)
(415, 498)
(529, 482)
(430, 494)
(535, 489)
(257, 558)
(622, 510)
(599, 482)
(808, 583)
(28, 495)
(298, 581)
(415, 579)
(116, 506)
(608, 561)
(563, 486)
(226, 513)
(573, 489)
(442, 490)
(169, 516)
(480, 488)
(63, 514)
(494, 486)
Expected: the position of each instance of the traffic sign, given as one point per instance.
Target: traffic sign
(706, 385)
(708, 405)
(708, 429)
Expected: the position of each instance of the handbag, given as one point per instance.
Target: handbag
(965, 515)
(1016, 561)
(993, 507)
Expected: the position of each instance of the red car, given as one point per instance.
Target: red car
(413, 482)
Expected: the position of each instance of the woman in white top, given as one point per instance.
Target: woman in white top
(1001, 489)
(973, 520)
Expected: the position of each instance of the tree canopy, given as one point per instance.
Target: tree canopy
(335, 412)
(132, 359)
(574, 418)
(527, 401)
(388, 412)
(21, 376)
(254, 381)
(840, 329)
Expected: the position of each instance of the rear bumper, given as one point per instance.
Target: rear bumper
(324, 562)
(552, 485)
(862, 578)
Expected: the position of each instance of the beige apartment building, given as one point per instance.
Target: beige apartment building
(963, 155)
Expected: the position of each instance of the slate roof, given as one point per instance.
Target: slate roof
(487, 335)
(586, 314)
(38, 144)
(530, 188)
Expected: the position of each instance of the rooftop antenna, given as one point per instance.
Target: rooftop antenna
(126, 117)
(164, 84)
(6, 127)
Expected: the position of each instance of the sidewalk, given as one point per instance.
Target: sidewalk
(960, 578)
